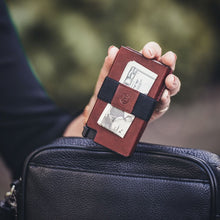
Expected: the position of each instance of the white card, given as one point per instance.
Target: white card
(138, 77)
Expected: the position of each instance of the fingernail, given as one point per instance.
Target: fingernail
(150, 52)
(110, 48)
(174, 81)
(166, 94)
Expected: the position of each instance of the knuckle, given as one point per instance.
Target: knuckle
(107, 59)
(172, 55)
(165, 97)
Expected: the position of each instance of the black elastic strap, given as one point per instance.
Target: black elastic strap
(144, 107)
(8, 207)
(108, 89)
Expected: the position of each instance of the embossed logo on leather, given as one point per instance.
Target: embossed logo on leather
(124, 98)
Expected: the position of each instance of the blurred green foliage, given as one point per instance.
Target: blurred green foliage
(67, 40)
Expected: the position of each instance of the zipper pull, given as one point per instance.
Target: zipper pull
(8, 207)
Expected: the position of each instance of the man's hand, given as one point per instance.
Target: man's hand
(151, 51)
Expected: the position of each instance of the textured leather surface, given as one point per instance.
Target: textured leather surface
(105, 137)
(125, 98)
(74, 178)
(107, 91)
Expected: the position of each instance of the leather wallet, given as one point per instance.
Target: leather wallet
(126, 101)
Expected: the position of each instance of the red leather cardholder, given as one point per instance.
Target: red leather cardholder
(126, 101)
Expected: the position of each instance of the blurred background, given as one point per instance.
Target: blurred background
(66, 42)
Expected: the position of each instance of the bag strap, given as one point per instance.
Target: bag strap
(8, 207)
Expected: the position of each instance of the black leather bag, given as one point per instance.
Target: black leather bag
(74, 178)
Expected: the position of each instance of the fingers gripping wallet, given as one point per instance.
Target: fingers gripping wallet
(126, 101)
